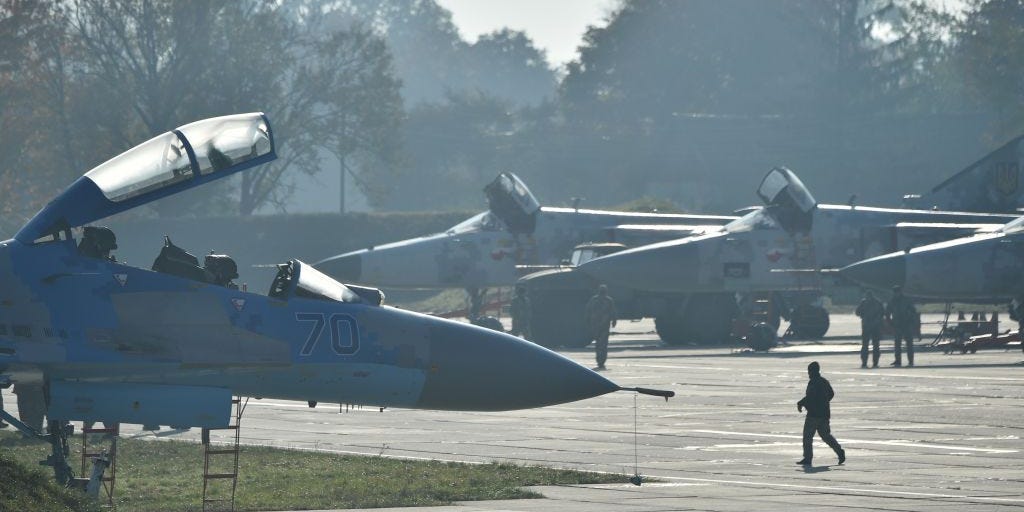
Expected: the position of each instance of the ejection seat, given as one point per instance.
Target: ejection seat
(97, 242)
(218, 269)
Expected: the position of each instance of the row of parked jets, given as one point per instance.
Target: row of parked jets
(86, 338)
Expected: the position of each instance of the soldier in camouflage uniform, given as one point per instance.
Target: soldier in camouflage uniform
(903, 316)
(871, 313)
(599, 316)
(521, 312)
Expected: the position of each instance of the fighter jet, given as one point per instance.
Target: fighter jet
(780, 247)
(84, 337)
(984, 268)
(992, 184)
(484, 250)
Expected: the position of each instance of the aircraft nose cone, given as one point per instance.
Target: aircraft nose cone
(472, 368)
(879, 272)
(661, 267)
(344, 267)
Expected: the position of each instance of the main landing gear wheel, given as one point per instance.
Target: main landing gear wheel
(707, 320)
(557, 319)
(809, 322)
(762, 337)
(489, 322)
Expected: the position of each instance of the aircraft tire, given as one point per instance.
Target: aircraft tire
(762, 337)
(706, 321)
(489, 322)
(557, 319)
(809, 322)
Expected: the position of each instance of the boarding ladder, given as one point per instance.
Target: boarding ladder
(220, 463)
(105, 447)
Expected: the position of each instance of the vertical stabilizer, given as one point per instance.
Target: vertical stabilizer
(992, 184)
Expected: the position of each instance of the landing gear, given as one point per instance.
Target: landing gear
(809, 322)
(476, 304)
(57, 434)
(762, 337)
(557, 318)
(489, 322)
(700, 319)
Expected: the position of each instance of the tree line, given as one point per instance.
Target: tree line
(682, 101)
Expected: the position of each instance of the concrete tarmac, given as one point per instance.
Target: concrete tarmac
(944, 435)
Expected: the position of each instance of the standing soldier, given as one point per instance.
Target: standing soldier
(1017, 313)
(521, 314)
(599, 316)
(871, 313)
(816, 400)
(903, 316)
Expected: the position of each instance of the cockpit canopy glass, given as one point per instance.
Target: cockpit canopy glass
(787, 200)
(299, 279)
(781, 187)
(512, 202)
(218, 144)
(313, 284)
(756, 220)
(226, 141)
(480, 222)
(156, 163)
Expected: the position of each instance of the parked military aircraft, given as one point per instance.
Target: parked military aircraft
(484, 250)
(992, 184)
(987, 267)
(84, 337)
(780, 247)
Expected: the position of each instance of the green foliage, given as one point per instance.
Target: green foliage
(166, 476)
(990, 56)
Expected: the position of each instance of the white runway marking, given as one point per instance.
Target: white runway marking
(911, 444)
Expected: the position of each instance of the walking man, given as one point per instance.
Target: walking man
(819, 394)
(521, 314)
(871, 313)
(599, 316)
(903, 316)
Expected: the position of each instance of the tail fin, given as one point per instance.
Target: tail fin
(992, 184)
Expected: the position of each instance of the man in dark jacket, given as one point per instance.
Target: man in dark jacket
(871, 313)
(819, 393)
(903, 316)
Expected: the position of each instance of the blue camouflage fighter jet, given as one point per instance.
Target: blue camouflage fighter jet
(85, 338)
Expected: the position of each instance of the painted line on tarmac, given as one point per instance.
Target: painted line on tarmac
(910, 444)
(918, 375)
(828, 488)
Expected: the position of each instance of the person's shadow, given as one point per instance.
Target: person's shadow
(816, 469)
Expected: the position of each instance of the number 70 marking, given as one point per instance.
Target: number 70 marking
(340, 323)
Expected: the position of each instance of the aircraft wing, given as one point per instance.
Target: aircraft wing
(178, 160)
(635, 235)
(915, 234)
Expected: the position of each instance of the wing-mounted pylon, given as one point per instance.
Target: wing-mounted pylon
(178, 160)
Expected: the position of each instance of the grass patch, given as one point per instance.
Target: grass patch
(26, 488)
(167, 476)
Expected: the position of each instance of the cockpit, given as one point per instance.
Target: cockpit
(1015, 226)
(178, 160)
(510, 201)
(298, 279)
(293, 279)
(485, 221)
(787, 200)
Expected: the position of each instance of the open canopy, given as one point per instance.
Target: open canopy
(787, 200)
(164, 165)
(512, 202)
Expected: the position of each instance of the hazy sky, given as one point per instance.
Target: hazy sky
(556, 26)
